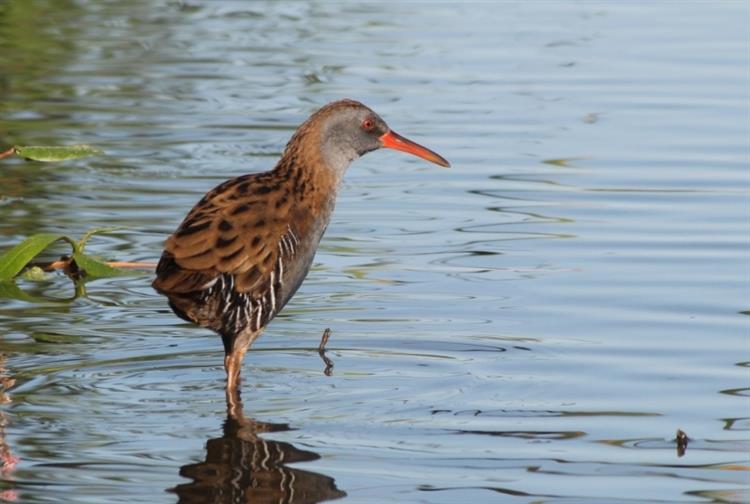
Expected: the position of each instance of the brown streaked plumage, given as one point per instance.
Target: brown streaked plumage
(247, 245)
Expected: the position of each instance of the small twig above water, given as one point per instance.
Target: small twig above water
(328, 371)
(682, 441)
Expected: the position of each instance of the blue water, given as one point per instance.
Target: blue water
(532, 325)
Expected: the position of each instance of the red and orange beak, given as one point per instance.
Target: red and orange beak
(392, 140)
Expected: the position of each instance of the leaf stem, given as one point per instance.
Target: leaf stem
(7, 153)
(132, 264)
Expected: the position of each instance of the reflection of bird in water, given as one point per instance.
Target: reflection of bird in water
(245, 248)
(242, 467)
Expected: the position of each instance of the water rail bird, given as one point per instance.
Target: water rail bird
(244, 249)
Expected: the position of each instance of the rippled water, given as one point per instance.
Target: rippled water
(532, 325)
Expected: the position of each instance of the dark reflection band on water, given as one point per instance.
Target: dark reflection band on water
(242, 466)
(8, 459)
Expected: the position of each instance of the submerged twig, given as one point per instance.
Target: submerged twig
(328, 371)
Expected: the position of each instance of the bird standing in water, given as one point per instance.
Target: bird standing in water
(247, 245)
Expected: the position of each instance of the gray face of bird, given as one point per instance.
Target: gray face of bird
(348, 134)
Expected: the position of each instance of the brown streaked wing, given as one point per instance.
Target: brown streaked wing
(225, 234)
(170, 278)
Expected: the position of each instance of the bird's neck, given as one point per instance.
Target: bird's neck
(311, 189)
(310, 184)
(313, 169)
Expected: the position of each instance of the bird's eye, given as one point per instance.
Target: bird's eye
(368, 124)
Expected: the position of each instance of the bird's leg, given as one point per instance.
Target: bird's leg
(328, 371)
(232, 365)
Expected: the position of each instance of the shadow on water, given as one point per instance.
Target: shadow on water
(241, 466)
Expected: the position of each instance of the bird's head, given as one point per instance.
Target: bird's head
(349, 129)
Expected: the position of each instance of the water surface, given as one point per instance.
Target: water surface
(532, 325)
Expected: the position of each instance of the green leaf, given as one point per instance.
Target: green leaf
(85, 238)
(9, 290)
(52, 153)
(13, 261)
(95, 268)
(563, 162)
(50, 337)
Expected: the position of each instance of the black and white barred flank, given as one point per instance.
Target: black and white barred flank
(241, 312)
